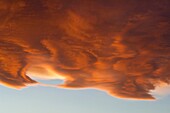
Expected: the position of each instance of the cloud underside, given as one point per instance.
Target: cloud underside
(120, 47)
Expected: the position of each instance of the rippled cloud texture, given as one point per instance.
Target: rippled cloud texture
(119, 46)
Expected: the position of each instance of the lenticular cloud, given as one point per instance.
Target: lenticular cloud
(120, 47)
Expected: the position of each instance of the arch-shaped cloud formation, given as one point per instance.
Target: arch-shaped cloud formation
(117, 46)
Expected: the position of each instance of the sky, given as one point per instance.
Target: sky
(45, 99)
(50, 100)
(93, 56)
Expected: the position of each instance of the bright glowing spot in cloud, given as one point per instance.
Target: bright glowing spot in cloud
(43, 72)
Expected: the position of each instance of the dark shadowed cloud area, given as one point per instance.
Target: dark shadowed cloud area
(119, 46)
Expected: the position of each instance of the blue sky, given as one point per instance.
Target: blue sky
(52, 100)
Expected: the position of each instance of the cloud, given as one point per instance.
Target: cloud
(120, 47)
(161, 90)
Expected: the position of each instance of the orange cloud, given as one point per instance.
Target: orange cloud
(119, 47)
